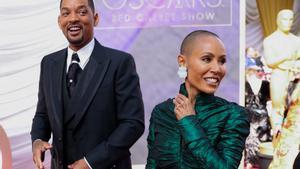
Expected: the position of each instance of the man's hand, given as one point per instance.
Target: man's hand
(183, 106)
(38, 148)
(80, 164)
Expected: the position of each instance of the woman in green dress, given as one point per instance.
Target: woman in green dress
(196, 129)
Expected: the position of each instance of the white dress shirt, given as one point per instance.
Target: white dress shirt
(84, 54)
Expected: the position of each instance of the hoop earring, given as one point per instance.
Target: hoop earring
(182, 72)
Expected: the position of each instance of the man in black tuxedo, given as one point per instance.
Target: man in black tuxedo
(89, 99)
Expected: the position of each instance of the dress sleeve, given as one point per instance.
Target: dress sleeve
(227, 153)
(163, 139)
(151, 163)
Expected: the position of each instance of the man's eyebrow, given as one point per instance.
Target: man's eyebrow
(82, 6)
(64, 8)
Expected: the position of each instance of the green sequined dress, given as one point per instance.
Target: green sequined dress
(214, 138)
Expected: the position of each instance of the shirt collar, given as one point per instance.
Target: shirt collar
(84, 54)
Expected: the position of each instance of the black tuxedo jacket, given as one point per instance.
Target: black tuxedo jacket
(105, 116)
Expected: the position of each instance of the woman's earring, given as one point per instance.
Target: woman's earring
(182, 72)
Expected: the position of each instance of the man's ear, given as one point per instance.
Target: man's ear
(58, 21)
(182, 59)
(96, 19)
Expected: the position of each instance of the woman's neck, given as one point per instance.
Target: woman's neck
(192, 92)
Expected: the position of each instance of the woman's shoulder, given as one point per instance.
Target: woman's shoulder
(164, 110)
(167, 104)
(236, 116)
(232, 108)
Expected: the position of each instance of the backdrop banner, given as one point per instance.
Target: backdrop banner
(151, 30)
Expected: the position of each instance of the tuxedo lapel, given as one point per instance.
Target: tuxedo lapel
(55, 81)
(92, 77)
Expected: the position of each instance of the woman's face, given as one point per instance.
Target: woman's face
(206, 64)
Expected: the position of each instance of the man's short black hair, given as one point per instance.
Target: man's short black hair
(91, 4)
(185, 48)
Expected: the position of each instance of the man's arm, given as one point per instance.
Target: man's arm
(130, 117)
(40, 128)
(40, 131)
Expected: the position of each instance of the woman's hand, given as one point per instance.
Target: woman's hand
(183, 106)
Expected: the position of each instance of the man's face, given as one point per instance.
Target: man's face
(206, 64)
(76, 20)
(285, 21)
